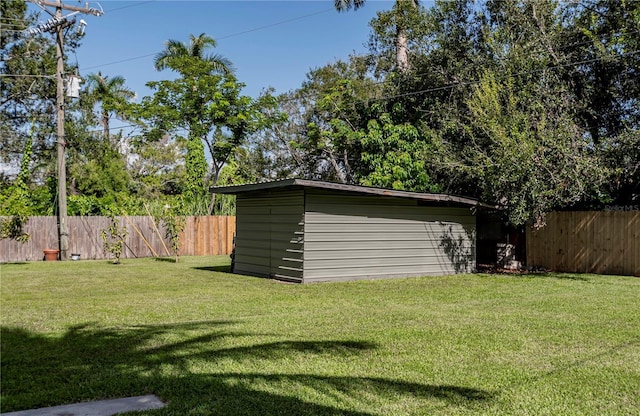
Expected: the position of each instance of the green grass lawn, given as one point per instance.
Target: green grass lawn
(211, 343)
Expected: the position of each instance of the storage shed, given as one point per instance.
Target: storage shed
(312, 231)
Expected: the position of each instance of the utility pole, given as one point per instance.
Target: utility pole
(63, 226)
(58, 24)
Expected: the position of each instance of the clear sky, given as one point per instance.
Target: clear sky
(271, 43)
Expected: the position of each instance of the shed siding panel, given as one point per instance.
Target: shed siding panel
(379, 212)
(393, 226)
(252, 255)
(371, 253)
(269, 234)
(356, 237)
(347, 246)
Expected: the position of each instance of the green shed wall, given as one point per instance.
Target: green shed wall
(270, 234)
(357, 237)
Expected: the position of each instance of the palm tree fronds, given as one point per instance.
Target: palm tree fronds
(221, 64)
(345, 5)
(195, 49)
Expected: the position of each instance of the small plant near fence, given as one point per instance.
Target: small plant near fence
(113, 239)
(173, 225)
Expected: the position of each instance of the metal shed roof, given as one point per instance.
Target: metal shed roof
(365, 190)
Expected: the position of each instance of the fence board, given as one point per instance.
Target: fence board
(202, 236)
(603, 242)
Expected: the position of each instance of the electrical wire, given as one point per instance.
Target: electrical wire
(274, 24)
(25, 76)
(218, 38)
(435, 89)
(129, 6)
(5, 24)
(14, 19)
(120, 61)
(262, 28)
(561, 47)
(477, 81)
(13, 31)
(302, 17)
(473, 82)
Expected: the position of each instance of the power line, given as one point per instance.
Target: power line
(434, 89)
(560, 47)
(9, 24)
(26, 76)
(115, 128)
(266, 27)
(219, 38)
(13, 19)
(444, 87)
(288, 21)
(120, 61)
(29, 21)
(129, 6)
(476, 81)
(13, 30)
(275, 24)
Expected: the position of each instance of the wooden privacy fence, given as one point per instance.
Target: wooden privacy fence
(202, 236)
(606, 242)
(208, 236)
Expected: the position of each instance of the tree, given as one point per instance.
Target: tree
(156, 168)
(393, 156)
(323, 117)
(621, 156)
(206, 104)
(447, 55)
(96, 166)
(111, 93)
(530, 159)
(607, 82)
(15, 202)
(172, 56)
(99, 180)
(28, 100)
(401, 10)
(267, 153)
(27, 87)
(197, 69)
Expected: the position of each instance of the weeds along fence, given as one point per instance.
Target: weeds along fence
(604, 242)
(202, 236)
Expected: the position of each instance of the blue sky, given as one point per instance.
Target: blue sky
(271, 43)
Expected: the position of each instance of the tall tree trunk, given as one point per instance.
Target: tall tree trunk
(403, 9)
(402, 49)
(105, 125)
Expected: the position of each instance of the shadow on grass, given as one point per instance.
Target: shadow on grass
(579, 363)
(165, 259)
(91, 363)
(536, 275)
(559, 276)
(222, 269)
